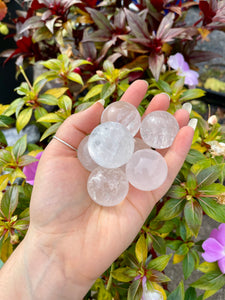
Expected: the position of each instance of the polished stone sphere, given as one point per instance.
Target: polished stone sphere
(107, 187)
(146, 170)
(124, 113)
(84, 156)
(159, 129)
(111, 145)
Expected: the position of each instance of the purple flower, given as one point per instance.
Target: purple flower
(30, 170)
(178, 63)
(214, 247)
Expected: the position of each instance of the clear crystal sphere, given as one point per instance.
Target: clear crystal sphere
(146, 170)
(159, 129)
(111, 145)
(124, 113)
(84, 156)
(107, 187)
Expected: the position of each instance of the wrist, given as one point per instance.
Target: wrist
(37, 271)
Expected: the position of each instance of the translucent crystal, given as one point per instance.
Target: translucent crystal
(111, 145)
(124, 113)
(84, 156)
(146, 170)
(107, 187)
(159, 129)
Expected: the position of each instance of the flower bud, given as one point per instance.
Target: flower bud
(212, 120)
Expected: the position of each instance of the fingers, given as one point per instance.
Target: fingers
(76, 127)
(135, 93)
(158, 102)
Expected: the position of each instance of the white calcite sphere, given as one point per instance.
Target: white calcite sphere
(159, 129)
(111, 145)
(107, 187)
(124, 113)
(146, 170)
(84, 156)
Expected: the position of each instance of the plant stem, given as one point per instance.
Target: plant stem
(109, 283)
(26, 78)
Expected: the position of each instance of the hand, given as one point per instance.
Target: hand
(72, 240)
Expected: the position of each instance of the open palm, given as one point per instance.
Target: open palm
(85, 237)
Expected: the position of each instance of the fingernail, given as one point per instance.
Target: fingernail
(102, 101)
(187, 106)
(166, 95)
(193, 123)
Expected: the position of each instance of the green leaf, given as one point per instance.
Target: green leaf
(75, 77)
(208, 294)
(159, 244)
(164, 86)
(212, 189)
(135, 290)
(207, 267)
(193, 216)
(214, 280)
(141, 250)
(183, 250)
(5, 121)
(209, 175)
(14, 106)
(20, 147)
(194, 156)
(176, 192)
(171, 209)
(51, 118)
(51, 130)
(213, 209)
(9, 202)
(192, 94)
(191, 181)
(47, 99)
(122, 274)
(78, 62)
(5, 158)
(94, 91)
(190, 294)
(17, 173)
(159, 263)
(188, 265)
(23, 118)
(108, 90)
(26, 160)
(3, 140)
(21, 225)
(41, 34)
(56, 92)
(178, 293)
(66, 104)
(52, 64)
(174, 245)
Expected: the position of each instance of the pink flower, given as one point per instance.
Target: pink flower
(178, 63)
(214, 247)
(30, 170)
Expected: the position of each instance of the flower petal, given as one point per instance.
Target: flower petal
(176, 61)
(221, 264)
(213, 250)
(191, 77)
(219, 234)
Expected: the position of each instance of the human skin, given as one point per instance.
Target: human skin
(72, 240)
